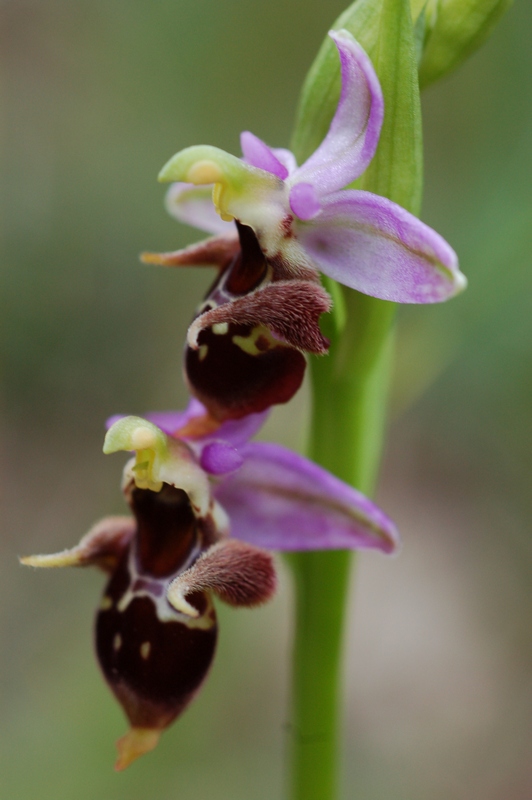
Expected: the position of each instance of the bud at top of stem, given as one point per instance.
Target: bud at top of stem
(451, 30)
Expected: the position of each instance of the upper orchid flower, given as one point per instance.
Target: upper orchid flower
(156, 626)
(291, 223)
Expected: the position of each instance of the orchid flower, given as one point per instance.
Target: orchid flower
(206, 511)
(245, 344)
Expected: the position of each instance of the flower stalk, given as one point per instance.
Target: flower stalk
(349, 395)
(346, 435)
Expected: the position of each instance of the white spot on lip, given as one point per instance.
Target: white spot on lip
(117, 642)
(145, 650)
(220, 328)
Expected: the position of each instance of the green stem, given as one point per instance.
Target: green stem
(350, 385)
(349, 392)
(348, 421)
(321, 581)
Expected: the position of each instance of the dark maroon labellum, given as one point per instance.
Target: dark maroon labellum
(241, 369)
(232, 382)
(154, 657)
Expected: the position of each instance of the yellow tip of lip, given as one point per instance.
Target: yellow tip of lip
(135, 743)
(67, 558)
(204, 172)
(152, 258)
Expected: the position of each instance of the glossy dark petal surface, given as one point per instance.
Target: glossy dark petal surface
(231, 382)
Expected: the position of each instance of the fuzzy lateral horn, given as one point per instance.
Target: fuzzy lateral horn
(239, 573)
(289, 309)
(102, 546)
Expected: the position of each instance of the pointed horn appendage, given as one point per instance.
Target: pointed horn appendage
(102, 546)
(218, 251)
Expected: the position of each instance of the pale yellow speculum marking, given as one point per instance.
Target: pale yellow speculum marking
(202, 351)
(249, 343)
(106, 603)
(117, 642)
(203, 623)
(220, 328)
(145, 649)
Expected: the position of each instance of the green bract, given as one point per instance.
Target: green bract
(451, 30)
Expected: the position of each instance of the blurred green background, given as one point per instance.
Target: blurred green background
(96, 97)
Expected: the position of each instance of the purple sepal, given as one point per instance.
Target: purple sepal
(234, 431)
(353, 136)
(281, 501)
(286, 157)
(375, 246)
(172, 421)
(238, 431)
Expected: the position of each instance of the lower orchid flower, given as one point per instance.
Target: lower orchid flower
(205, 512)
(245, 345)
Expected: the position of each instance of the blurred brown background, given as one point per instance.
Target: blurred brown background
(96, 96)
